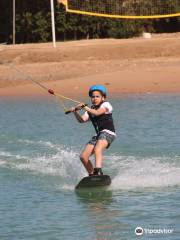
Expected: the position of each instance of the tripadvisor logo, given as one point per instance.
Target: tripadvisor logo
(139, 231)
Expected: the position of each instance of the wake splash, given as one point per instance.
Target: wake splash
(50, 160)
(154, 172)
(127, 172)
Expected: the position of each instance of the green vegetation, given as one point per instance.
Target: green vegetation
(33, 24)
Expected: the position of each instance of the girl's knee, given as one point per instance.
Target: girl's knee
(82, 157)
(97, 149)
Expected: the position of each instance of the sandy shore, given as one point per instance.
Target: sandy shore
(123, 66)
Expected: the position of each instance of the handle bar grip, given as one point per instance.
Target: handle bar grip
(69, 111)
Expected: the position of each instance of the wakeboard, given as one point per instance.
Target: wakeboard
(94, 181)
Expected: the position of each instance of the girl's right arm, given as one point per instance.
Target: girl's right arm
(79, 117)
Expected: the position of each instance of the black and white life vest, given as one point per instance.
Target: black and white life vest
(102, 122)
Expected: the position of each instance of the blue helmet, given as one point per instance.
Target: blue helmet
(99, 88)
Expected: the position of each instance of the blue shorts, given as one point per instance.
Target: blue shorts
(102, 135)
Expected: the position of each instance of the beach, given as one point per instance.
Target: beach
(124, 66)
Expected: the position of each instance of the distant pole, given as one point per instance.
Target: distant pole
(53, 23)
(14, 21)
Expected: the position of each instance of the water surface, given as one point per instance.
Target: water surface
(39, 168)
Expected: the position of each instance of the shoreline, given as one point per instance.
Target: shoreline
(156, 79)
(76, 88)
(123, 66)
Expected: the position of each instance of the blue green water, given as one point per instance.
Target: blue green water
(39, 168)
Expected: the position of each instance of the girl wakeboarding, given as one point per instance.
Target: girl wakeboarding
(100, 114)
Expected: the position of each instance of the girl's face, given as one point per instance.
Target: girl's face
(96, 98)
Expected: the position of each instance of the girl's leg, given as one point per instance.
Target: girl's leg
(100, 146)
(84, 156)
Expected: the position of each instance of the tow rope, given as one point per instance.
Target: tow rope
(60, 97)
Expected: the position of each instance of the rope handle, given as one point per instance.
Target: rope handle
(77, 108)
